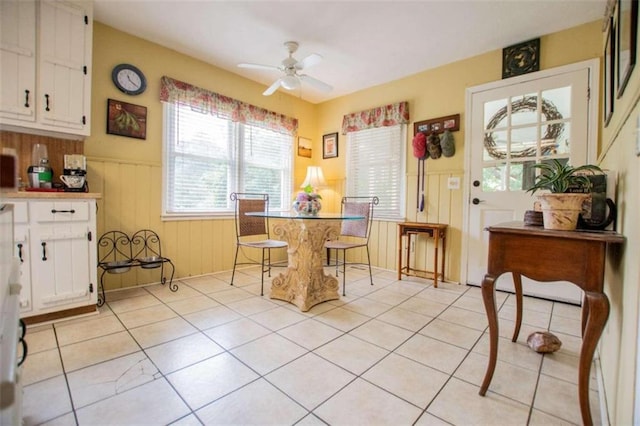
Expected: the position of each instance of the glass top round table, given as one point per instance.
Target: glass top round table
(304, 283)
(294, 215)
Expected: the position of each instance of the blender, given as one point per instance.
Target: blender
(39, 172)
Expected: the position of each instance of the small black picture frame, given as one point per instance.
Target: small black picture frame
(521, 58)
(608, 87)
(330, 145)
(627, 25)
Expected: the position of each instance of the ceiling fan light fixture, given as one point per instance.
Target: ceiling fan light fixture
(290, 82)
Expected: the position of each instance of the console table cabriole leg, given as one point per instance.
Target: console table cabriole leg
(489, 299)
(598, 306)
(517, 284)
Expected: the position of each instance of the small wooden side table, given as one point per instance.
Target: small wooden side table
(437, 231)
(545, 255)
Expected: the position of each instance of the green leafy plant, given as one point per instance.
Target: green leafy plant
(558, 177)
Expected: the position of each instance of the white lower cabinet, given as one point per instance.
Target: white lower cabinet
(56, 243)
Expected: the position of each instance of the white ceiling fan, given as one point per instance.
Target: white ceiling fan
(291, 67)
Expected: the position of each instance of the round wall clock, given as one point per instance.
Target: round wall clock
(129, 79)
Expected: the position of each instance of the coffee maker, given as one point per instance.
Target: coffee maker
(74, 173)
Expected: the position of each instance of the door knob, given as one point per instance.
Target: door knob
(477, 201)
(476, 183)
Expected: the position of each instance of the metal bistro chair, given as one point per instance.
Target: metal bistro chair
(356, 231)
(249, 228)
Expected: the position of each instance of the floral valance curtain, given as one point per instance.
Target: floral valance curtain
(207, 102)
(388, 115)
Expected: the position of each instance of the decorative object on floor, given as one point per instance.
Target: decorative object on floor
(447, 143)
(119, 252)
(568, 184)
(543, 342)
(521, 58)
(304, 147)
(330, 145)
(124, 119)
(627, 37)
(307, 202)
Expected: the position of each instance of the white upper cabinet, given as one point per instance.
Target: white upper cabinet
(60, 103)
(17, 60)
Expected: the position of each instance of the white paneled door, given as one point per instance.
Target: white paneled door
(514, 125)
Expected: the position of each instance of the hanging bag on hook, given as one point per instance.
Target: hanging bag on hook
(420, 152)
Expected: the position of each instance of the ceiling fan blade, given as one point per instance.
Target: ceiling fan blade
(258, 67)
(320, 85)
(309, 61)
(273, 87)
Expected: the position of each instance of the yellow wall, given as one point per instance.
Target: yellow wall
(619, 343)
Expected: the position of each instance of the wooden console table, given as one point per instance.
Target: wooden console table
(438, 232)
(545, 255)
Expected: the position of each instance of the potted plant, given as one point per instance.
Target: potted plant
(568, 188)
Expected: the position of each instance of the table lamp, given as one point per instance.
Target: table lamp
(314, 179)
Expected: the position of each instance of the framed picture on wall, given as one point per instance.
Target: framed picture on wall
(627, 24)
(304, 147)
(124, 119)
(607, 84)
(330, 145)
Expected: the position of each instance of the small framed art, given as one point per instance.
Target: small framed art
(304, 147)
(627, 26)
(330, 145)
(124, 119)
(607, 84)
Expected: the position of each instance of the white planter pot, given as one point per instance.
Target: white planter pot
(561, 211)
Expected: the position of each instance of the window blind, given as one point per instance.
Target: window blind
(375, 167)
(208, 157)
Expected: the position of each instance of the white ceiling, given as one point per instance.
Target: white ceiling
(364, 43)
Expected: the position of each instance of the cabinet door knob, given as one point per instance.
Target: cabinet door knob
(46, 102)
(26, 99)
(44, 251)
(20, 252)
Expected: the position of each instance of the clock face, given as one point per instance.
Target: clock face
(129, 79)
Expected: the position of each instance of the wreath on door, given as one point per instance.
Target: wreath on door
(526, 104)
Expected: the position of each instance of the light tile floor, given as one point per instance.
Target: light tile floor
(396, 353)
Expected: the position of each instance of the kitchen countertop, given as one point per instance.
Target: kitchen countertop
(48, 195)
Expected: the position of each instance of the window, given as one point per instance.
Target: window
(207, 157)
(375, 167)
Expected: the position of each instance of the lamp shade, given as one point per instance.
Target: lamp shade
(315, 178)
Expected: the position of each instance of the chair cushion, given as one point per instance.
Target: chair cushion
(249, 225)
(356, 228)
